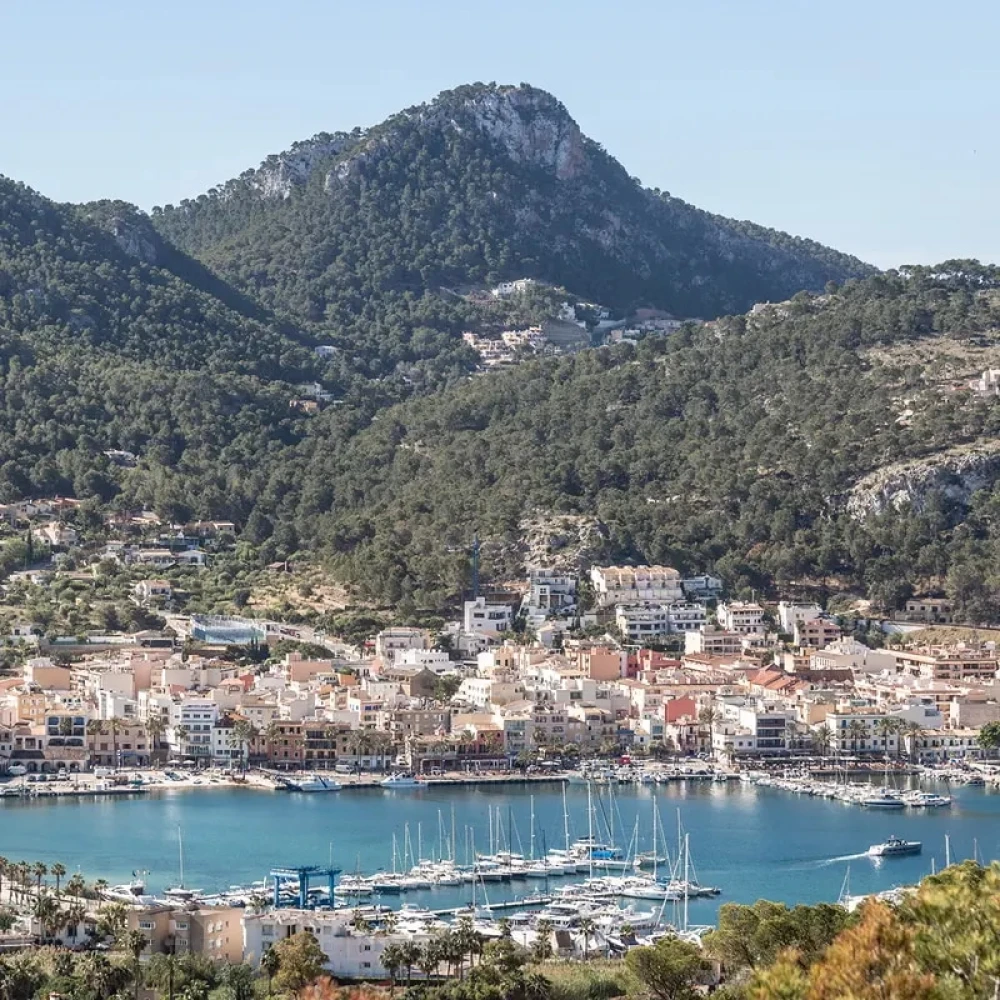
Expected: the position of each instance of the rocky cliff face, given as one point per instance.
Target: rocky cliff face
(956, 474)
(135, 238)
(279, 175)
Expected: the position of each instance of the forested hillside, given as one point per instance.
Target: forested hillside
(102, 348)
(357, 234)
(731, 446)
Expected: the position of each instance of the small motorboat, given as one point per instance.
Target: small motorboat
(894, 846)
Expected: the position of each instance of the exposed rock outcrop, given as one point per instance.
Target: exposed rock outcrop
(564, 542)
(136, 238)
(956, 474)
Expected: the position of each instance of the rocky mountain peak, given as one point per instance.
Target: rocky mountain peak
(531, 125)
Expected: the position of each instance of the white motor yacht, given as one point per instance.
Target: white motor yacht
(403, 781)
(894, 846)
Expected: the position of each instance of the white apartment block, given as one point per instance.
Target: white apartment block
(549, 591)
(435, 660)
(349, 954)
(860, 732)
(740, 616)
(689, 617)
(636, 585)
(480, 616)
(197, 717)
(639, 622)
(714, 642)
(789, 613)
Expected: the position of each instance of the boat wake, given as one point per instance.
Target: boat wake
(824, 862)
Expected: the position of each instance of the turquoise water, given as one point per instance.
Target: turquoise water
(751, 842)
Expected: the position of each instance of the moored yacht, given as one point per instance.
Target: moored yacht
(315, 783)
(403, 781)
(883, 800)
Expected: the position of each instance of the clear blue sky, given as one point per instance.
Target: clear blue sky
(870, 125)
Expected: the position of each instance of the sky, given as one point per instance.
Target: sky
(869, 126)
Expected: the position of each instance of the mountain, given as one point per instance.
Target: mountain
(355, 234)
(829, 439)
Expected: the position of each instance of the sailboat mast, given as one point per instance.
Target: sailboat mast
(566, 814)
(947, 851)
(590, 829)
(686, 858)
(420, 843)
(453, 848)
(532, 848)
(180, 852)
(655, 825)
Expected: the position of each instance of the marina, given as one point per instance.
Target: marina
(749, 840)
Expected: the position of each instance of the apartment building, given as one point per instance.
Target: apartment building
(861, 732)
(636, 585)
(743, 617)
(960, 662)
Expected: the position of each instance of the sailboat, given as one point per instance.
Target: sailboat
(180, 893)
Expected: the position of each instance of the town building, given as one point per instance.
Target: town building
(636, 585)
(743, 617)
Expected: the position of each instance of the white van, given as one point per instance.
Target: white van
(17, 770)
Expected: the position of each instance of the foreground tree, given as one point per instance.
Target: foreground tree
(301, 961)
(670, 970)
(873, 960)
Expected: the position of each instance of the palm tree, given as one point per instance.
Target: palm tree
(541, 949)
(181, 734)
(244, 732)
(114, 728)
(76, 885)
(4, 869)
(48, 914)
(270, 962)
(271, 734)
(40, 870)
(912, 730)
(430, 958)
(409, 952)
(709, 716)
(392, 962)
(58, 873)
(821, 739)
(857, 732)
(95, 727)
(587, 928)
(75, 916)
(155, 727)
(135, 942)
(98, 972)
(886, 727)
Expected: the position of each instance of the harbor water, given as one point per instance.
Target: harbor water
(752, 842)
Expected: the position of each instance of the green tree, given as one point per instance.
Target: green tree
(301, 961)
(270, 962)
(670, 970)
